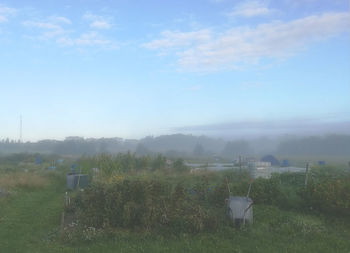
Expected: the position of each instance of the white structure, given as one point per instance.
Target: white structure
(240, 210)
(266, 172)
(259, 165)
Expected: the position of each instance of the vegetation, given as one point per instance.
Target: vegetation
(139, 206)
(22, 180)
(196, 203)
(329, 191)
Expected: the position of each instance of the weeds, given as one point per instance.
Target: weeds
(145, 205)
(28, 181)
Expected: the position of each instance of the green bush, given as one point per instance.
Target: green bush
(219, 195)
(267, 191)
(263, 191)
(91, 206)
(159, 206)
(138, 204)
(179, 165)
(330, 195)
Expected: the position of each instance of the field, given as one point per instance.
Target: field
(30, 222)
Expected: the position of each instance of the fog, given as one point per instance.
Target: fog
(299, 127)
(186, 145)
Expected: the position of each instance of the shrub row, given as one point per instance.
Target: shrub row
(143, 205)
(331, 195)
(156, 205)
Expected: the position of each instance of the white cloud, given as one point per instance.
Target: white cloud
(54, 28)
(58, 19)
(3, 19)
(5, 13)
(47, 30)
(98, 22)
(251, 9)
(41, 25)
(179, 39)
(86, 39)
(235, 47)
(7, 10)
(90, 16)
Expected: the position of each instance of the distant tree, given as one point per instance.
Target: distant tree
(236, 148)
(159, 162)
(316, 145)
(141, 150)
(179, 165)
(143, 163)
(198, 150)
(103, 147)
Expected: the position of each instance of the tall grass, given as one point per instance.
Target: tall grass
(23, 180)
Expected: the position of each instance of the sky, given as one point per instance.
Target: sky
(135, 68)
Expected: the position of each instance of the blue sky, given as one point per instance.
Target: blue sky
(135, 68)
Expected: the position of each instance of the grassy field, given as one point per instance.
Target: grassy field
(30, 218)
(23, 180)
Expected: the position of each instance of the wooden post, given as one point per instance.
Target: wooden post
(306, 174)
(228, 187)
(250, 186)
(240, 164)
(62, 224)
(78, 186)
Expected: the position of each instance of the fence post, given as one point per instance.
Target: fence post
(306, 174)
(228, 187)
(240, 164)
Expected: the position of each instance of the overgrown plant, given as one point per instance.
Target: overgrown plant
(137, 204)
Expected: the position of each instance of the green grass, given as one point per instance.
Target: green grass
(29, 222)
(28, 216)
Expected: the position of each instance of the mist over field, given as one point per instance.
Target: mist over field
(180, 145)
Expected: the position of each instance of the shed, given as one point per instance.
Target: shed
(77, 180)
(240, 210)
(285, 163)
(270, 158)
(322, 163)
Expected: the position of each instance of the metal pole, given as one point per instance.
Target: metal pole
(79, 178)
(240, 163)
(306, 174)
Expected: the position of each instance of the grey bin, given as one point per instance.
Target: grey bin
(74, 179)
(240, 210)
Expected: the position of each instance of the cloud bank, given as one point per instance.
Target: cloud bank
(60, 30)
(5, 13)
(251, 9)
(256, 128)
(209, 50)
